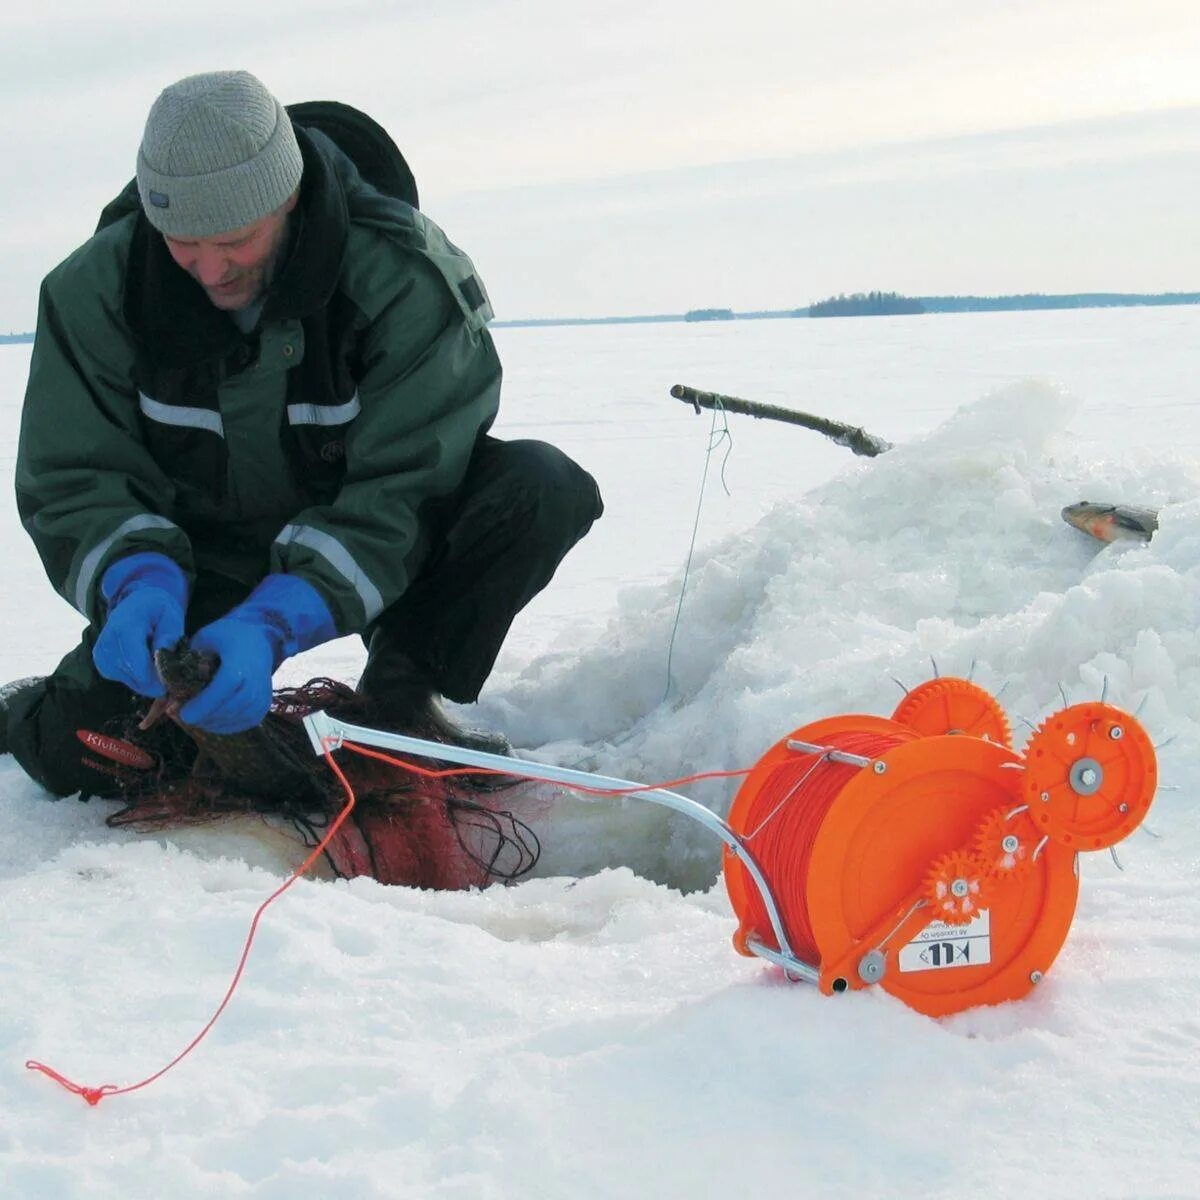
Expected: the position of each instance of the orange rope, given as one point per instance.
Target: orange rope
(93, 1095)
(780, 828)
(632, 790)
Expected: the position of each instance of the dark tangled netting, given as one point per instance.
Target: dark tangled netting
(406, 828)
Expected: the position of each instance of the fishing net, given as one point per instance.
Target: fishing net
(406, 828)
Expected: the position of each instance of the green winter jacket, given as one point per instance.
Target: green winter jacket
(308, 446)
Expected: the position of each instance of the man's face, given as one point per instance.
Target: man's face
(234, 268)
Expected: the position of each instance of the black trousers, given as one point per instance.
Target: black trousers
(490, 548)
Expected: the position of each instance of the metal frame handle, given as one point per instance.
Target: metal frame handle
(327, 731)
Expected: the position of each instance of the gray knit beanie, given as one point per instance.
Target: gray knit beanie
(219, 152)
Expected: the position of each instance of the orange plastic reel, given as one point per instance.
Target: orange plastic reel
(738, 883)
(872, 859)
(952, 705)
(1090, 776)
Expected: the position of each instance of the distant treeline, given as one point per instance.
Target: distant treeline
(709, 314)
(928, 304)
(1038, 300)
(874, 304)
(857, 304)
(865, 304)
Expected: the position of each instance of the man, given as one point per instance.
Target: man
(257, 415)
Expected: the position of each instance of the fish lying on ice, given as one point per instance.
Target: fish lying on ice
(1112, 522)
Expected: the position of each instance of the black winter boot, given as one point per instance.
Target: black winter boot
(8, 692)
(403, 695)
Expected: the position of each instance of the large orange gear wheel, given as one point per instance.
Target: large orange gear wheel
(1007, 841)
(870, 882)
(957, 887)
(952, 705)
(1090, 775)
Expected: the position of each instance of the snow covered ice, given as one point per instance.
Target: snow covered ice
(591, 1033)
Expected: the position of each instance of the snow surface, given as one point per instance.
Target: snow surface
(590, 1033)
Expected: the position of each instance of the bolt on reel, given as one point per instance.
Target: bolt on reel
(921, 853)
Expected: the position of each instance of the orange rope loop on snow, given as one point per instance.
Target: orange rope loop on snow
(93, 1095)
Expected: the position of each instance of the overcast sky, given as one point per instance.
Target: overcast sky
(644, 156)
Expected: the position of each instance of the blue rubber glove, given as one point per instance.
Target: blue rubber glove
(281, 617)
(146, 594)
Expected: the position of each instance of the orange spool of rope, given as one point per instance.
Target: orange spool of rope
(922, 854)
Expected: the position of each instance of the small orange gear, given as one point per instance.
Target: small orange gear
(952, 705)
(957, 887)
(1006, 842)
